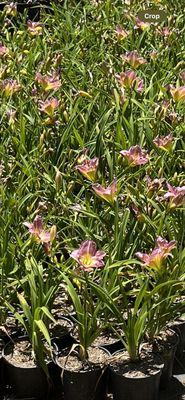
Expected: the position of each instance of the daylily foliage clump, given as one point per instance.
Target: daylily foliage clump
(92, 169)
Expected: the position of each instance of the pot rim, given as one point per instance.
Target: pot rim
(63, 317)
(136, 378)
(175, 334)
(56, 356)
(21, 366)
(159, 367)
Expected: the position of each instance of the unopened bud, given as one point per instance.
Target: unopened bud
(81, 93)
(53, 232)
(58, 179)
(175, 176)
(42, 137)
(160, 172)
(66, 116)
(70, 187)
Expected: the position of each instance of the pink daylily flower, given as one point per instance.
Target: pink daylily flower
(35, 28)
(88, 257)
(48, 106)
(153, 54)
(175, 195)
(11, 114)
(141, 24)
(130, 80)
(161, 109)
(3, 50)
(11, 9)
(48, 82)
(127, 79)
(158, 255)
(42, 236)
(134, 59)
(135, 156)
(165, 31)
(121, 33)
(88, 168)
(109, 193)
(139, 85)
(164, 143)
(178, 93)
(9, 87)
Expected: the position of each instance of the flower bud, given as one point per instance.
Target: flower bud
(58, 179)
(66, 116)
(42, 137)
(175, 176)
(70, 187)
(53, 232)
(160, 172)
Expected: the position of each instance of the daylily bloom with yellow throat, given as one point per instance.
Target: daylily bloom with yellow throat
(164, 31)
(88, 168)
(41, 235)
(48, 82)
(156, 257)
(141, 24)
(88, 257)
(11, 9)
(164, 142)
(135, 156)
(121, 33)
(130, 80)
(175, 196)
(134, 59)
(9, 86)
(108, 193)
(178, 93)
(35, 28)
(49, 106)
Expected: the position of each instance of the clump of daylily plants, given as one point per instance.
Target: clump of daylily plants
(92, 189)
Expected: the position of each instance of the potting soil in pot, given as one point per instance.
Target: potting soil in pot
(87, 379)
(109, 340)
(71, 361)
(21, 373)
(135, 380)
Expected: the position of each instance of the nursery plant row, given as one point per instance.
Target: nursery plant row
(92, 196)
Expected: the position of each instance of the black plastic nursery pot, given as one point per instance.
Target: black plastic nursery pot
(130, 387)
(25, 381)
(168, 356)
(109, 341)
(113, 347)
(1, 366)
(135, 388)
(179, 328)
(11, 330)
(85, 385)
(61, 339)
(89, 383)
(61, 333)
